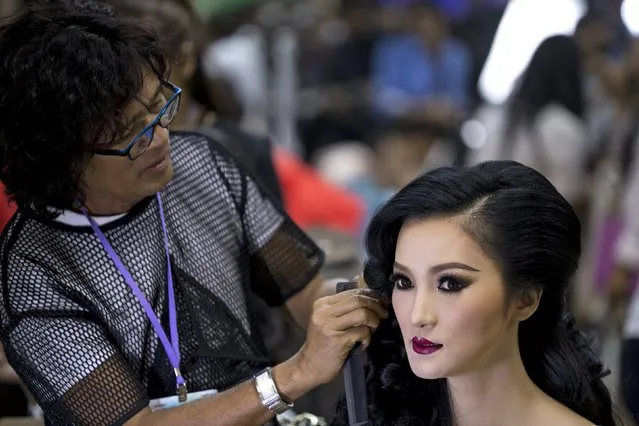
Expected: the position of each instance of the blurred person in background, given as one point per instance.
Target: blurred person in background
(423, 73)
(623, 290)
(602, 76)
(542, 124)
(620, 240)
(335, 69)
(610, 12)
(401, 149)
(208, 104)
(400, 152)
(238, 52)
(611, 124)
(612, 164)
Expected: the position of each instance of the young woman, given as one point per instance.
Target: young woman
(476, 262)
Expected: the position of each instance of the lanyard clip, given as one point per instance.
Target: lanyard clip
(181, 388)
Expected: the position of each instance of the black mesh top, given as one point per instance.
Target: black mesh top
(78, 337)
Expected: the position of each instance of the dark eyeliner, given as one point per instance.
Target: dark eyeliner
(395, 276)
(456, 283)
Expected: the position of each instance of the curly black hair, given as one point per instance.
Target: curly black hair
(67, 70)
(520, 220)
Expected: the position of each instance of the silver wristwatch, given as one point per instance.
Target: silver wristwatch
(269, 394)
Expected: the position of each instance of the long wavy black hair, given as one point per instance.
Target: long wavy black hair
(520, 220)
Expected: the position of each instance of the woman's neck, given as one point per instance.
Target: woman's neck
(501, 394)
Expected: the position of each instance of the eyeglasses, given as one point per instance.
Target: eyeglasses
(141, 142)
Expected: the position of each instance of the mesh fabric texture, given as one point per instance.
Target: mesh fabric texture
(78, 337)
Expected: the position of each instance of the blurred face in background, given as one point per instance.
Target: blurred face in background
(363, 20)
(429, 25)
(184, 67)
(594, 38)
(174, 21)
(401, 157)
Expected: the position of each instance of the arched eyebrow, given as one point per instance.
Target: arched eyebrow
(440, 268)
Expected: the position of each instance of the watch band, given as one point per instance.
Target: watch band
(269, 395)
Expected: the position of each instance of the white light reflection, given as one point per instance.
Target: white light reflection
(526, 23)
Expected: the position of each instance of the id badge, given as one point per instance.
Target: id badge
(173, 401)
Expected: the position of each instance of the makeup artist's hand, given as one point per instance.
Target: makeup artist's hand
(337, 324)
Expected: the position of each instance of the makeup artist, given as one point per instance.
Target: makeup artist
(126, 269)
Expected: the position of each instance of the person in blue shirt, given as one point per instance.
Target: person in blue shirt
(423, 74)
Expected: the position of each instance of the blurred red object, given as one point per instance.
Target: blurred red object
(311, 201)
(7, 209)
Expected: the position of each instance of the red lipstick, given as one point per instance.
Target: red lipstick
(424, 346)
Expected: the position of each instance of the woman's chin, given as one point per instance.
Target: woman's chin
(430, 372)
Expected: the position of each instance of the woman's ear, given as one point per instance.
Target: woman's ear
(527, 303)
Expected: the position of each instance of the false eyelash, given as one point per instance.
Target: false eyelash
(398, 275)
(459, 281)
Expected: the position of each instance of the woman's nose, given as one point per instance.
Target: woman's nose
(423, 313)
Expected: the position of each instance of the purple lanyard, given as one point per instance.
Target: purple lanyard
(171, 347)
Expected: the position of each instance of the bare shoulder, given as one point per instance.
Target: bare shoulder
(565, 418)
(552, 412)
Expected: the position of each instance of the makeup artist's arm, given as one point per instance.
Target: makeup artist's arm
(337, 323)
(240, 405)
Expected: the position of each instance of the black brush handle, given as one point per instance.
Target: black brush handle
(354, 377)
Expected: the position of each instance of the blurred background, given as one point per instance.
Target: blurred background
(336, 104)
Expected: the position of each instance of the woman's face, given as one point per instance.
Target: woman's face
(450, 301)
